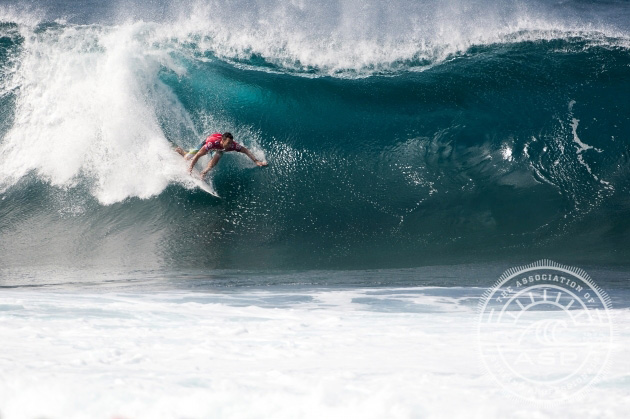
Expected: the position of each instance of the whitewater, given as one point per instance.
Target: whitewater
(262, 353)
(417, 152)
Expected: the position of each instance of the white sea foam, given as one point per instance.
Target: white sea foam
(266, 353)
(87, 105)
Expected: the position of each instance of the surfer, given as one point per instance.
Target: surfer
(218, 143)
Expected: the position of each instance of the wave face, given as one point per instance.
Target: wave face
(397, 134)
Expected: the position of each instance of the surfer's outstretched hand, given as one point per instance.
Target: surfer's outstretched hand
(261, 163)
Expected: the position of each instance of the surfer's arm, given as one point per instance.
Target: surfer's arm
(202, 151)
(251, 156)
(212, 163)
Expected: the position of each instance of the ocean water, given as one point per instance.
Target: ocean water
(417, 150)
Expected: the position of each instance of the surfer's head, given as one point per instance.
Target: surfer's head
(226, 139)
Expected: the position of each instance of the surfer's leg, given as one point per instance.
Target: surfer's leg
(191, 152)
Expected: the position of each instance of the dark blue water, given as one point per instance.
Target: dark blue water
(488, 133)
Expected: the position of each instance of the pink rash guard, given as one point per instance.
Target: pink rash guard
(213, 142)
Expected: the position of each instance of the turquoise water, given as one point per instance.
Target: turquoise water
(493, 133)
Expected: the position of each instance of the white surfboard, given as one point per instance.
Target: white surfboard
(203, 185)
(196, 178)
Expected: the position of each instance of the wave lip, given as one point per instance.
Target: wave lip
(348, 39)
(367, 59)
(356, 40)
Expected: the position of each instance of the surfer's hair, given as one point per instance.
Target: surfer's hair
(227, 135)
